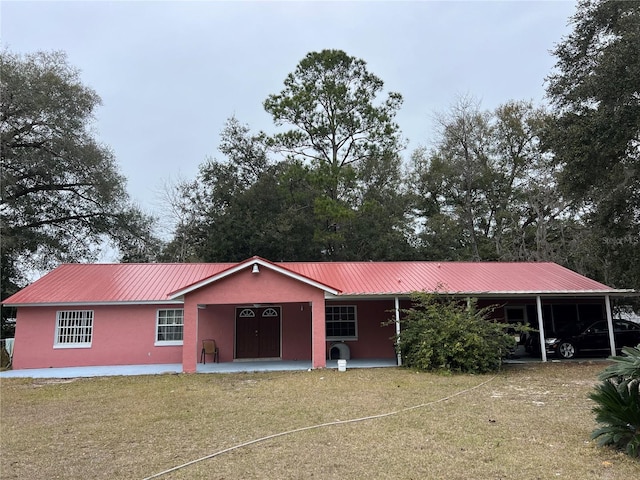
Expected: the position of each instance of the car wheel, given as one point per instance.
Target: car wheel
(566, 350)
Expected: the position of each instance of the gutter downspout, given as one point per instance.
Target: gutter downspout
(397, 305)
(543, 349)
(612, 339)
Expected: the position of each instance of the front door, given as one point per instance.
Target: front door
(258, 332)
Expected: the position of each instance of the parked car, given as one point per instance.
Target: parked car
(593, 339)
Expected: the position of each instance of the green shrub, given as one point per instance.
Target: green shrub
(441, 333)
(618, 403)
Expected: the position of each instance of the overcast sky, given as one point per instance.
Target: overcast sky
(171, 73)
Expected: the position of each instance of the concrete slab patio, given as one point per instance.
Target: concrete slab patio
(173, 368)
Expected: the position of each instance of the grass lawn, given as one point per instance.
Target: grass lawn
(528, 422)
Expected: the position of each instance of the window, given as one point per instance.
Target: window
(341, 322)
(516, 314)
(247, 313)
(599, 327)
(169, 327)
(74, 329)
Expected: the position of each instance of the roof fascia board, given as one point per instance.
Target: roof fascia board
(372, 296)
(95, 304)
(548, 293)
(497, 294)
(336, 296)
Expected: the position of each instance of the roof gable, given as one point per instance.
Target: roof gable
(252, 263)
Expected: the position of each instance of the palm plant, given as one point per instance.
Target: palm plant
(618, 403)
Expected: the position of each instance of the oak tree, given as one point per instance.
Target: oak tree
(595, 90)
(61, 193)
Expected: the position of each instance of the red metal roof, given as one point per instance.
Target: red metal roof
(133, 282)
(378, 278)
(153, 282)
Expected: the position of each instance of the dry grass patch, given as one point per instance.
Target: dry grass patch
(529, 422)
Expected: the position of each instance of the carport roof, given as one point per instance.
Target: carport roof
(164, 282)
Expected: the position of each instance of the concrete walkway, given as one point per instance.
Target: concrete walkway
(172, 368)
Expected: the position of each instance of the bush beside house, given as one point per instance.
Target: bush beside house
(440, 333)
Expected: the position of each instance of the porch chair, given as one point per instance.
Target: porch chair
(209, 347)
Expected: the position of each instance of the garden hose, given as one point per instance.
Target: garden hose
(321, 425)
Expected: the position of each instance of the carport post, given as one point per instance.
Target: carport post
(397, 305)
(543, 349)
(612, 338)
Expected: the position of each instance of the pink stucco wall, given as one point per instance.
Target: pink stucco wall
(246, 288)
(122, 335)
(218, 322)
(374, 340)
(296, 331)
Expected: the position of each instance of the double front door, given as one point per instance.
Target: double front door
(258, 332)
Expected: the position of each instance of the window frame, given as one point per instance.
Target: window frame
(82, 315)
(168, 343)
(333, 338)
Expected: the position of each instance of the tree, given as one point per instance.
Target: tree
(61, 192)
(332, 187)
(595, 90)
(487, 190)
(381, 227)
(329, 98)
(454, 182)
(245, 205)
(341, 131)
